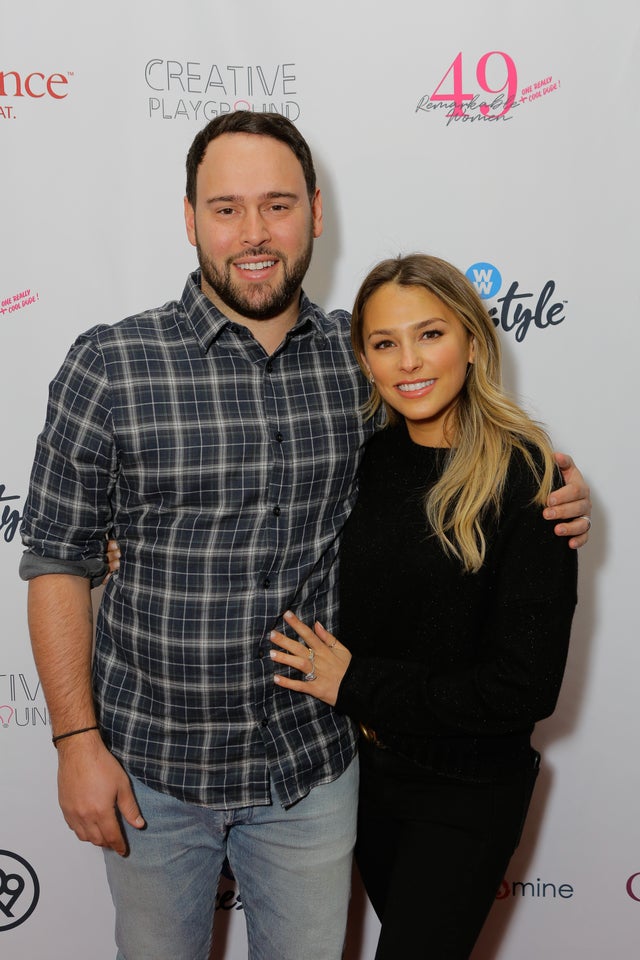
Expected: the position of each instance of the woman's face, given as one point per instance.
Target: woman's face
(417, 351)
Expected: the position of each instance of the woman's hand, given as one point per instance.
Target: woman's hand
(112, 552)
(323, 659)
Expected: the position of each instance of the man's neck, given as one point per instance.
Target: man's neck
(268, 333)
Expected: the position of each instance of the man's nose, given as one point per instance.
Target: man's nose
(255, 229)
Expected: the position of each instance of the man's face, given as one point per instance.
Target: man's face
(253, 225)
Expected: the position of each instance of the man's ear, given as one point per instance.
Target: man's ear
(316, 213)
(190, 222)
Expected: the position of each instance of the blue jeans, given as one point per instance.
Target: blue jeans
(293, 869)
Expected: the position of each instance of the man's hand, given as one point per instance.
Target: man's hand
(94, 791)
(570, 503)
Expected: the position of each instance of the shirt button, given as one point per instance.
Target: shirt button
(264, 722)
(269, 367)
(279, 437)
(266, 583)
(277, 511)
(260, 654)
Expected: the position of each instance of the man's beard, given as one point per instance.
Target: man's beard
(262, 301)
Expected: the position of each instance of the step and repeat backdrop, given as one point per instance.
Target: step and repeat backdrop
(500, 135)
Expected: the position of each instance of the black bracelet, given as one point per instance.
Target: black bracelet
(72, 733)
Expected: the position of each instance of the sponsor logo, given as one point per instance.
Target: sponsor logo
(488, 92)
(10, 517)
(228, 897)
(19, 87)
(541, 88)
(517, 312)
(534, 889)
(19, 890)
(22, 703)
(18, 301)
(486, 278)
(633, 887)
(191, 90)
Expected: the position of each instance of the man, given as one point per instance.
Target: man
(218, 436)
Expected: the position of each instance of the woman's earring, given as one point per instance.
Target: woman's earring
(371, 380)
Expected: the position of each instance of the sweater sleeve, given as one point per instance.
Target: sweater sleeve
(520, 647)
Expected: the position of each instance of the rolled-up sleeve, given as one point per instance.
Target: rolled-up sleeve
(68, 511)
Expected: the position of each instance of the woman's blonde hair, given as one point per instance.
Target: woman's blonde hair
(484, 427)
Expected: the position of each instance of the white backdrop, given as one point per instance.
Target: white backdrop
(97, 110)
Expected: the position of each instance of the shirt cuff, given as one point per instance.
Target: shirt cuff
(95, 569)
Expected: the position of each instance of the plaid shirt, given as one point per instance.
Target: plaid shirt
(226, 476)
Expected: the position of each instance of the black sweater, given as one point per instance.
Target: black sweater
(451, 669)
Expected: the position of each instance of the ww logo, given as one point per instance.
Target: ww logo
(485, 278)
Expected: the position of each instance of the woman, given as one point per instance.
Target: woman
(456, 607)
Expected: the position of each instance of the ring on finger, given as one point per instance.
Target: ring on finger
(588, 519)
(312, 673)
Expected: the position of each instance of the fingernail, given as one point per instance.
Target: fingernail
(287, 614)
(272, 654)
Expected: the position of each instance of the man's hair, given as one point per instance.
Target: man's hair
(261, 124)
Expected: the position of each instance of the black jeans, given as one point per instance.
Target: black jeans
(432, 852)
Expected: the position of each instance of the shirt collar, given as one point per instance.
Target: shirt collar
(207, 322)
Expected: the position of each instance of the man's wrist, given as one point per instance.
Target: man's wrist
(71, 733)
